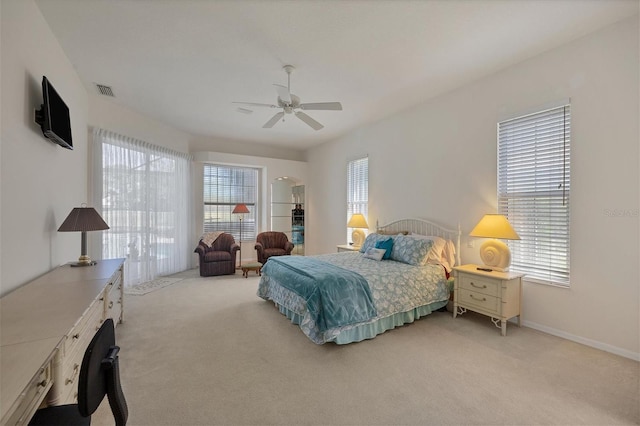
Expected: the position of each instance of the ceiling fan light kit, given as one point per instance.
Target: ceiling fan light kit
(290, 104)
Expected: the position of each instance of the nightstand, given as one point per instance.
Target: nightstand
(347, 247)
(495, 294)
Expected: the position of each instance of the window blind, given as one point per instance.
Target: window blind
(357, 189)
(224, 187)
(533, 192)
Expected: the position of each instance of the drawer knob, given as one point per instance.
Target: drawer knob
(111, 304)
(478, 286)
(484, 299)
(42, 383)
(76, 336)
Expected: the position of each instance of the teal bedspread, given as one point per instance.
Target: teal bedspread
(334, 296)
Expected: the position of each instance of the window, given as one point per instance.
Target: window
(533, 192)
(143, 192)
(224, 187)
(357, 189)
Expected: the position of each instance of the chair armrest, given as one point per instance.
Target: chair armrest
(201, 249)
(259, 247)
(234, 248)
(288, 246)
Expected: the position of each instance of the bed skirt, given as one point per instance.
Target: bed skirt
(370, 330)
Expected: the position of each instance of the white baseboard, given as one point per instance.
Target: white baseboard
(582, 340)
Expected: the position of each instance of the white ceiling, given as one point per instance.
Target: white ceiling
(185, 61)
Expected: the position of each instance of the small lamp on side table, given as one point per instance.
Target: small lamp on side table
(495, 254)
(358, 222)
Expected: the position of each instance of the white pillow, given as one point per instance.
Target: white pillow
(374, 253)
(449, 256)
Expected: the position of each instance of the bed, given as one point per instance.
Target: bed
(351, 296)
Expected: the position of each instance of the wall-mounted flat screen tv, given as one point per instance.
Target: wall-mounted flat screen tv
(53, 116)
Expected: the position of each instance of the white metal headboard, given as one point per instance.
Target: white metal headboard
(424, 227)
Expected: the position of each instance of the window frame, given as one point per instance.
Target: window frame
(533, 191)
(357, 190)
(237, 178)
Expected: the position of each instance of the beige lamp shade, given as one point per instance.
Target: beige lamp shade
(495, 254)
(358, 222)
(494, 226)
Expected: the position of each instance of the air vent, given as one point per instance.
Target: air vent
(105, 90)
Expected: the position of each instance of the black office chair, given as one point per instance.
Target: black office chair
(99, 375)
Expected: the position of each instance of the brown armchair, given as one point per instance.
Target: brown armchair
(272, 243)
(220, 258)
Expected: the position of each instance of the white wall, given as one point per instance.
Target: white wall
(40, 182)
(271, 168)
(438, 161)
(105, 113)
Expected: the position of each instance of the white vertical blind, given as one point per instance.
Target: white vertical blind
(533, 192)
(144, 193)
(357, 190)
(224, 187)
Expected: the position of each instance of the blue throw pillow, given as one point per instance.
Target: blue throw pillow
(371, 240)
(387, 245)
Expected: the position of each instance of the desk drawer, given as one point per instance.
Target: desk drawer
(81, 334)
(30, 398)
(488, 303)
(113, 301)
(477, 284)
(67, 365)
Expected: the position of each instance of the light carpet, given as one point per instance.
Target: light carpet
(210, 352)
(149, 286)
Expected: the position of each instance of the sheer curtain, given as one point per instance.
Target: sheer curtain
(144, 194)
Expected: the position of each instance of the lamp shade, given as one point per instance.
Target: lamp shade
(240, 208)
(83, 219)
(494, 226)
(357, 221)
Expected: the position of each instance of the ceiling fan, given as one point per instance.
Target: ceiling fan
(290, 104)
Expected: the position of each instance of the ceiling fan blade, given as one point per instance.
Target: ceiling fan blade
(310, 121)
(269, 124)
(283, 93)
(326, 106)
(256, 104)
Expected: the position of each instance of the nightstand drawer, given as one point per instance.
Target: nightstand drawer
(486, 302)
(480, 285)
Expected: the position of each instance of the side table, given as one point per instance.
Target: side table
(495, 294)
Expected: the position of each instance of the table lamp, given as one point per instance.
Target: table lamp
(495, 254)
(358, 222)
(83, 219)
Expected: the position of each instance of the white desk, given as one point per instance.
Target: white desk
(45, 326)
